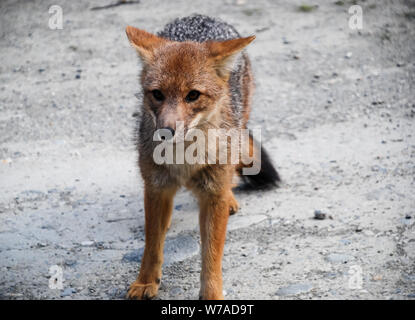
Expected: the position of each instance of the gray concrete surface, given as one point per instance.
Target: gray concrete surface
(336, 107)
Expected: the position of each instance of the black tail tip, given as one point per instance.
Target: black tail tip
(267, 178)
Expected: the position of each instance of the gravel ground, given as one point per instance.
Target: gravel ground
(336, 107)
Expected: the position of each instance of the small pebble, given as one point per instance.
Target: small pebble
(294, 289)
(318, 215)
(70, 263)
(68, 292)
(87, 243)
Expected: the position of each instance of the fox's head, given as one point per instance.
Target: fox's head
(184, 81)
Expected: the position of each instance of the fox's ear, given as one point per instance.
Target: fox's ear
(144, 42)
(224, 53)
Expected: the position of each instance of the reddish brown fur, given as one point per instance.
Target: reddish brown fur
(175, 69)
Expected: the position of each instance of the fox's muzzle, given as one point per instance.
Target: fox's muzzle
(172, 131)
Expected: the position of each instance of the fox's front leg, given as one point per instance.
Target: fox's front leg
(158, 205)
(214, 213)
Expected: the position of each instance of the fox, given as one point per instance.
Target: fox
(196, 72)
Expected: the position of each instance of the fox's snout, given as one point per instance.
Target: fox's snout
(166, 133)
(172, 131)
(168, 120)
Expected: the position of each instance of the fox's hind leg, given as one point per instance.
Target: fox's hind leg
(233, 204)
(158, 205)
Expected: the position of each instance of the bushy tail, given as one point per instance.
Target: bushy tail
(266, 178)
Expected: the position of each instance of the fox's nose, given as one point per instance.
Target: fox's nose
(170, 129)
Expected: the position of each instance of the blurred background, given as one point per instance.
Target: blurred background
(336, 108)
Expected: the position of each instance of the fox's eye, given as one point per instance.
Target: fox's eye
(157, 95)
(192, 96)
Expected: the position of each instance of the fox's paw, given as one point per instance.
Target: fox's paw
(211, 295)
(142, 291)
(233, 205)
